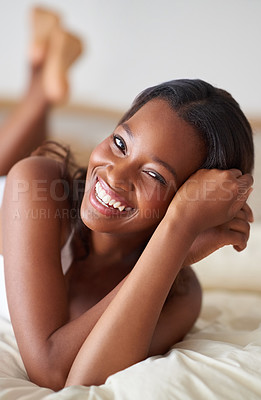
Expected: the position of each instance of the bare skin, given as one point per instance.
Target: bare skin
(25, 128)
(63, 50)
(50, 310)
(52, 51)
(67, 327)
(43, 24)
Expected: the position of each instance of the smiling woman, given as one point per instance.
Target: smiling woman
(168, 187)
(140, 166)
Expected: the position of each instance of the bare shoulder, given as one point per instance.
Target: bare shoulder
(36, 194)
(28, 182)
(36, 167)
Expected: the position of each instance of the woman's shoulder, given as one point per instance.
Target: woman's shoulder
(35, 191)
(37, 167)
(40, 177)
(37, 183)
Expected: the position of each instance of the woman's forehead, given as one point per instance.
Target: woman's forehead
(161, 131)
(157, 125)
(158, 117)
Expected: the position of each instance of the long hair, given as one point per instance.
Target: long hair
(214, 114)
(75, 177)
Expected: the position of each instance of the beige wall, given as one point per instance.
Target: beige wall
(134, 44)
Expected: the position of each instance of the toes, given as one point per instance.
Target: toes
(43, 22)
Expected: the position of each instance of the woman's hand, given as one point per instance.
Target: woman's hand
(234, 232)
(211, 198)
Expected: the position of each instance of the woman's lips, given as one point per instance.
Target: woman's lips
(107, 201)
(108, 195)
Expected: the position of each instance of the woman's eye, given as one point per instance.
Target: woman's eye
(157, 176)
(119, 142)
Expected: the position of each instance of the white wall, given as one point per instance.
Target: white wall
(132, 44)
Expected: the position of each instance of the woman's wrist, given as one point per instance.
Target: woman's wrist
(179, 222)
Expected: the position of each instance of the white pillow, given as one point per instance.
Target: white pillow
(228, 269)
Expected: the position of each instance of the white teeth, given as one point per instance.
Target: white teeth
(112, 202)
(106, 198)
(102, 193)
(117, 204)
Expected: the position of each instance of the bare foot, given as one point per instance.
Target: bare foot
(43, 24)
(64, 49)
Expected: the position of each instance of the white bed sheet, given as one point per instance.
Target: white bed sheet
(219, 359)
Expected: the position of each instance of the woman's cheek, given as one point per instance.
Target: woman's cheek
(100, 153)
(156, 203)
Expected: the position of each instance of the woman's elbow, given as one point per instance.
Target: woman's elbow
(46, 372)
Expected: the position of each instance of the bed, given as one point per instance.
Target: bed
(219, 359)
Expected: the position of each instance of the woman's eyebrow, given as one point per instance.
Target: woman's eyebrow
(127, 129)
(166, 165)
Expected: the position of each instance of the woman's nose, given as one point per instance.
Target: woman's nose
(119, 177)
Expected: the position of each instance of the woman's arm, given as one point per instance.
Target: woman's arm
(123, 334)
(234, 233)
(48, 350)
(36, 290)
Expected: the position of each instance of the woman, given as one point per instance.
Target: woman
(168, 187)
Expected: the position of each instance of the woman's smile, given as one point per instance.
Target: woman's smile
(135, 172)
(107, 201)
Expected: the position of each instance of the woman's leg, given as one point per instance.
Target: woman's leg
(25, 128)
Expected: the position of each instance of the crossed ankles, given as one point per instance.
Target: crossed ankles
(53, 50)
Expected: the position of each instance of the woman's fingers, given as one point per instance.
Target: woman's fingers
(245, 213)
(237, 238)
(236, 172)
(235, 232)
(245, 183)
(244, 188)
(240, 225)
(210, 198)
(248, 212)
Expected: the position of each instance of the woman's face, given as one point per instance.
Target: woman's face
(134, 173)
